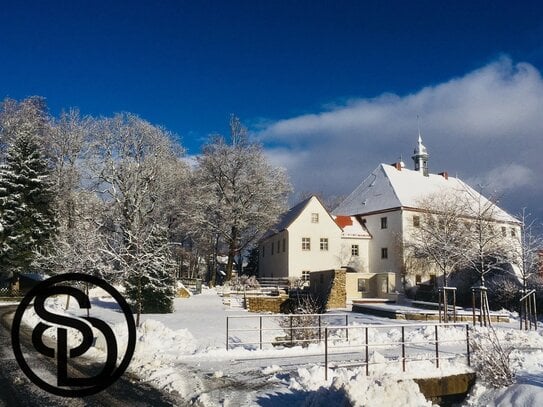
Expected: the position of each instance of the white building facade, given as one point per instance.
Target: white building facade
(368, 230)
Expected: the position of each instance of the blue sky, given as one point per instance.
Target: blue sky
(344, 77)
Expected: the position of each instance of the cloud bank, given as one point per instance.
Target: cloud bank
(486, 127)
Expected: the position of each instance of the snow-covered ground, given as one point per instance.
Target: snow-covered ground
(184, 352)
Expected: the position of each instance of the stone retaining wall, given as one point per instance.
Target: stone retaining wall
(266, 304)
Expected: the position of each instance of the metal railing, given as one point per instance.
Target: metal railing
(431, 345)
(293, 332)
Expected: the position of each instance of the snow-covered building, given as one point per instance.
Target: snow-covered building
(308, 238)
(367, 231)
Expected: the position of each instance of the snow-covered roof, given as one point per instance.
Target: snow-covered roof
(351, 227)
(388, 187)
(287, 218)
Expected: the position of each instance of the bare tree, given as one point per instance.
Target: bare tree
(487, 249)
(438, 234)
(242, 193)
(526, 251)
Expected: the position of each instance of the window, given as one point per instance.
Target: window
(416, 221)
(354, 250)
(504, 231)
(384, 223)
(314, 218)
(513, 232)
(306, 243)
(433, 280)
(324, 243)
(284, 244)
(363, 285)
(273, 245)
(384, 253)
(418, 279)
(278, 246)
(305, 275)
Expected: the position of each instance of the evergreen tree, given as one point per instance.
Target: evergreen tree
(26, 204)
(150, 272)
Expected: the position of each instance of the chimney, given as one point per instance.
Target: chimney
(398, 166)
(444, 174)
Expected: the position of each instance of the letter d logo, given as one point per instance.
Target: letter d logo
(78, 386)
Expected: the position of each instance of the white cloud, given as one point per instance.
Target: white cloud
(486, 126)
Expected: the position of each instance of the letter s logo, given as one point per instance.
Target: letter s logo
(62, 338)
(72, 386)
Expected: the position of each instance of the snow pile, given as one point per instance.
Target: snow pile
(357, 388)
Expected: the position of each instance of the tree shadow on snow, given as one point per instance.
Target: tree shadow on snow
(530, 378)
(320, 398)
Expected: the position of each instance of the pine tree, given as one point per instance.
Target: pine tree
(150, 272)
(26, 204)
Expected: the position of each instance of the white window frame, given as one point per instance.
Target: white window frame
(306, 244)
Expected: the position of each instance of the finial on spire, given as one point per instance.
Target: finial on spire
(420, 156)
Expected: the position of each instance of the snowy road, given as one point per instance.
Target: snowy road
(17, 390)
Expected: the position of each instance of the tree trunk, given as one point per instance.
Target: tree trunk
(232, 249)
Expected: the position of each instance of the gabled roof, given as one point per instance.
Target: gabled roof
(388, 188)
(287, 218)
(351, 227)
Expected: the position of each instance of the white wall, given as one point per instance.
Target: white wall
(276, 264)
(385, 238)
(314, 259)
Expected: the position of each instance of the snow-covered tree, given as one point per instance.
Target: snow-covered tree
(440, 236)
(243, 194)
(149, 271)
(27, 116)
(131, 162)
(487, 250)
(26, 202)
(526, 253)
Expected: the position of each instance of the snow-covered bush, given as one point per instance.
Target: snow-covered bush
(301, 327)
(244, 282)
(490, 359)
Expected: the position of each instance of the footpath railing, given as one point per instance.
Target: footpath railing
(295, 329)
(348, 345)
(420, 349)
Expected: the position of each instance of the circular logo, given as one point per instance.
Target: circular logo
(72, 386)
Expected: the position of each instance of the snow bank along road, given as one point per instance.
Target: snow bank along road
(17, 390)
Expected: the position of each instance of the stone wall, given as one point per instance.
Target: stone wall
(266, 304)
(331, 286)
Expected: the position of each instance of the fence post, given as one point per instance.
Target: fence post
(403, 348)
(367, 355)
(437, 350)
(347, 329)
(319, 328)
(226, 333)
(291, 338)
(260, 332)
(325, 353)
(467, 345)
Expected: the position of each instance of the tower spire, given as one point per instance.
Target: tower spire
(420, 154)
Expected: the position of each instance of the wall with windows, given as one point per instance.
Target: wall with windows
(273, 260)
(383, 249)
(355, 253)
(425, 272)
(314, 241)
